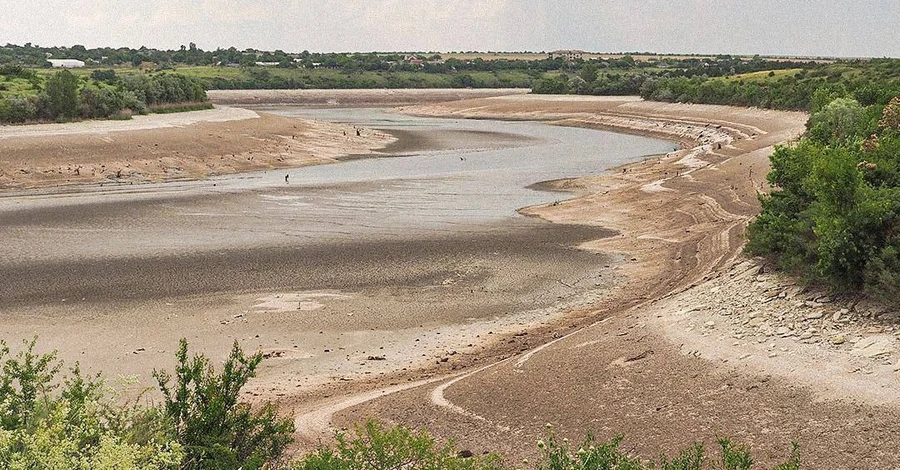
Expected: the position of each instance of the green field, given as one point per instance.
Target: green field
(765, 75)
(15, 86)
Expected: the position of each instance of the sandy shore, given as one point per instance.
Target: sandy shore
(691, 345)
(191, 145)
(198, 144)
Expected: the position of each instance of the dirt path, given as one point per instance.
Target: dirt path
(647, 362)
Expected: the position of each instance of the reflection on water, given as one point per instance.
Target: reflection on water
(431, 189)
(388, 198)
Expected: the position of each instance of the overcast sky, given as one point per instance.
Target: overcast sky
(786, 27)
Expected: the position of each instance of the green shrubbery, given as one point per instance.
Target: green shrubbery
(372, 447)
(868, 82)
(50, 420)
(590, 454)
(834, 216)
(64, 96)
(215, 428)
(54, 420)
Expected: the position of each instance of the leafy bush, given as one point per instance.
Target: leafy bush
(217, 431)
(373, 447)
(63, 90)
(76, 426)
(837, 120)
(17, 109)
(556, 454)
(553, 85)
(106, 76)
(164, 88)
(834, 216)
(53, 420)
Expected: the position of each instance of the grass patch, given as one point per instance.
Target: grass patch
(765, 75)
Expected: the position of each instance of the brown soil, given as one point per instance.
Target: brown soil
(614, 368)
(173, 146)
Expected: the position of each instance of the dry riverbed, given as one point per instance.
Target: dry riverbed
(694, 342)
(682, 339)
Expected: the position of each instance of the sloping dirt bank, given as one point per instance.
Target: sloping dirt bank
(661, 360)
(190, 145)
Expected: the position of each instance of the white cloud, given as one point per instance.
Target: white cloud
(820, 27)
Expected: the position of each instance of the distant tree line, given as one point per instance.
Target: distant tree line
(869, 82)
(262, 78)
(354, 63)
(685, 80)
(64, 96)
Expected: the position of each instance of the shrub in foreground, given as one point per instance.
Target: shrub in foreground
(372, 446)
(216, 429)
(593, 455)
(45, 424)
(55, 420)
(50, 419)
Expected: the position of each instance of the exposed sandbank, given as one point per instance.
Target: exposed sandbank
(191, 145)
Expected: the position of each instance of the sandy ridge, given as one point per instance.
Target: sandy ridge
(191, 145)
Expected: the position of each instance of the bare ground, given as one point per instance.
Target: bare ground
(191, 145)
(656, 360)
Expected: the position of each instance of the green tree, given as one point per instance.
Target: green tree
(63, 91)
(588, 72)
(217, 430)
(837, 120)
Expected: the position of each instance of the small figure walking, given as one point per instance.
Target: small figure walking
(286, 177)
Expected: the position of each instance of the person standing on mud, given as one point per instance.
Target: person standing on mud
(286, 177)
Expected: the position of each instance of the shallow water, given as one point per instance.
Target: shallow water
(381, 198)
(409, 243)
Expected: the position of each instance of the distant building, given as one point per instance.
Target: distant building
(66, 63)
(412, 59)
(266, 64)
(568, 54)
